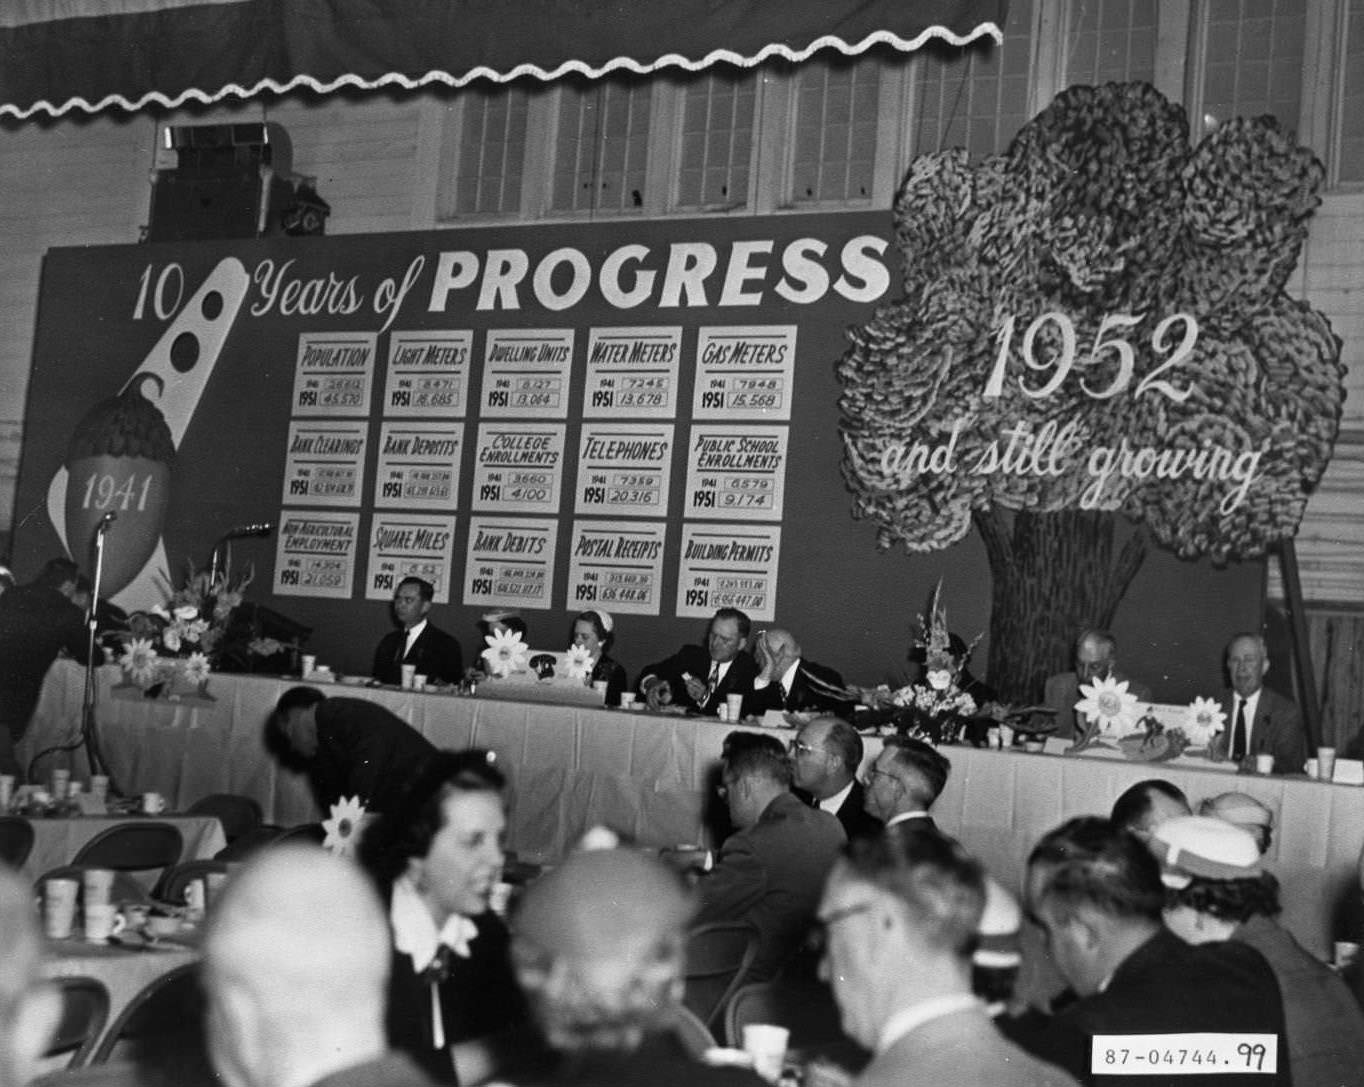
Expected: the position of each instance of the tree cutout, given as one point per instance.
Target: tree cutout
(1094, 324)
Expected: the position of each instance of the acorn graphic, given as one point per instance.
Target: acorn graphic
(120, 460)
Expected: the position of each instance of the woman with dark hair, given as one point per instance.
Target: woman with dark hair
(436, 858)
(595, 631)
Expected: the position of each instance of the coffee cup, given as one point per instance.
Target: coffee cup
(409, 673)
(766, 1044)
(99, 886)
(1264, 764)
(59, 908)
(153, 803)
(309, 664)
(1326, 763)
(627, 700)
(102, 920)
(1006, 737)
(99, 786)
(418, 682)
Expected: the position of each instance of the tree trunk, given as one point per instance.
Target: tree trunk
(1053, 574)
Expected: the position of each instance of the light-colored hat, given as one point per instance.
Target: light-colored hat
(1203, 847)
(997, 933)
(607, 623)
(500, 615)
(1238, 809)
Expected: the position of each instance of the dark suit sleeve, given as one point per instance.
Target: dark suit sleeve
(442, 659)
(736, 883)
(385, 669)
(690, 659)
(1289, 741)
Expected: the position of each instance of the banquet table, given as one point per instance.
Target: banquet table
(55, 841)
(649, 776)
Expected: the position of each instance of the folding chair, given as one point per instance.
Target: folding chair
(718, 956)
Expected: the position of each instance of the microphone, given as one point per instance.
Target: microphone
(262, 528)
(105, 521)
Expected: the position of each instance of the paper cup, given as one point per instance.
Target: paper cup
(1326, 763)
(99, 886)
(60, 780)
(6, 791)
(59, 908)
(1347, 953)
(1264, 764)
(409, 675)
(99, 786)
(600, 685)
(102, 920)
(153, 803)
(309, 664)
(419, 682)
(627, 700)
(1006, 737)
(766, 1044)
(1310, 766)
(722, 712)
(735, 702)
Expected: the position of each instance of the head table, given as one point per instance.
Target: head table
(647, 775)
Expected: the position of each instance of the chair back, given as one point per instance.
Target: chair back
(160, 1031)
(718, 956)
(132, 847)
(692, 1034)
(248, 843)
(16, 840)
(126, 888)
(239, 815)
(302, 834)
(755, 1002)
(179, 876)
(85, 1009)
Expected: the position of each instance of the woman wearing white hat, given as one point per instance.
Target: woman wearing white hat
(595, 632)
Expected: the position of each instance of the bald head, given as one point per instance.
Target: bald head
(28, 1007)
(295, 930)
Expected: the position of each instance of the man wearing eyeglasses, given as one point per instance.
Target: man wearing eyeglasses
(900, 916)
(904, 781)
(825, 756)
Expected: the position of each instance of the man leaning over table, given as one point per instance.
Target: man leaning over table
(1096, 657)
(30, 1007)
(700, 678)
(1259, 721)
(417, 641)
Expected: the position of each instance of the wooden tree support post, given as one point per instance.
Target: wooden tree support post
(1302, 650)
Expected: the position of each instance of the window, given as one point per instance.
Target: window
(717, 140)
(601, 145)
(834, 138)
(977, 98)
(492, 150)
(1110, 41)
(1253, 59)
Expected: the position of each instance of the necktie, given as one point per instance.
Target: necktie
(781, 690)
(1238, 732)
(713, 681)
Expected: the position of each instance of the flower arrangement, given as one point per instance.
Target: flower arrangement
(578, 663)
(506, 653)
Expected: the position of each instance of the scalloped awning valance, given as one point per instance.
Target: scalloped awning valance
(59, 56)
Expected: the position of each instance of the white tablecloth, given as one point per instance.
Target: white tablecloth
(571, 767)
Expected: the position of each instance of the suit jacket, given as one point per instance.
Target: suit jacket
(1324, 1022)
(695, 661)
(1277, 730)
(1063, 691)
(804, 696)
(36, 624)
(857, 821)
(390, 1070)
(363, 750)
(1169, 987)
(435, 653)
(959, 1050)
(771, 875)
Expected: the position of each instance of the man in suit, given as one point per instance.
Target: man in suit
(296, 965)
(900, 916)
(770, 871)
(700, 678)
(825, 757)
(30, 1008)
(904, 781)
(434, 653)
(1096, 657)
(1259, 721)
(1095, 892)
(789, 683)
(347, 747)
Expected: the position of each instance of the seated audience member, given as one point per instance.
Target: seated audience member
(770, 870)
(347, 747)
(789, 683)
(595, 631)
(700, 678)
(598, 945)
(825, 756)
(417, 641)
(1096, 657)
(900, 916)
(997, 956)
(1217, 890)
(38, 622)
(1146, 805)
(1245, 812)
(904, 781)
(1259, 721)
(30, 1007)
(295, 965)
(1095, 892)
(452, 999)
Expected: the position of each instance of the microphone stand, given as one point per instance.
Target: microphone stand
(89, 732)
